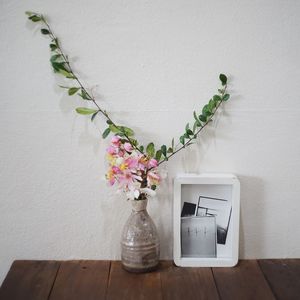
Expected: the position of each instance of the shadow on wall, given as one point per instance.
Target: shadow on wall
(252, 217)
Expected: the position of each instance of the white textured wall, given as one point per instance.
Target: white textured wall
(154, 62)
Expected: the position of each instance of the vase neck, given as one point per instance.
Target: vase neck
(139, 205)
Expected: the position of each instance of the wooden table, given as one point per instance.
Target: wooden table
(85, 279)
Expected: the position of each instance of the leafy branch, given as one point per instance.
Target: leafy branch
(61, 64)
(200, 122)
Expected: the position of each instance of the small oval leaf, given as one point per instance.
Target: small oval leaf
(45, 31)
(226, 97)
(73, 90)
(106, 132)
(150, 149)
(223, 79)
(85, 110)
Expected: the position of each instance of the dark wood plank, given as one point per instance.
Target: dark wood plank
(124, 285)
(81, 279)
(29, 280)
(187, 283)
(246, 281)
(283, 275)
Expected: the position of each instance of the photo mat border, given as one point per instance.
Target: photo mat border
(206, 179)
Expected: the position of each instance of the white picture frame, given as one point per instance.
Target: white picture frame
(206, 216)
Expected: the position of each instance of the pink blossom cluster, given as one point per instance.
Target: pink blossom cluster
(128, 168)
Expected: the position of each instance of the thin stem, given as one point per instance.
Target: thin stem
(91, 97)
(196, 134)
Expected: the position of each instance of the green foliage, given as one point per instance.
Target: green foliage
(45, 31)
(226, 97)
(54, 58)
(126, 130)
(158, 155)
(35, 18)
(84, 95)
(150, 149)
(73, 90)
(202, 118)
(53, 47)
(60, 64)
(94, 115)
(85, 110)
(121, 130)
(216, 98)
(106, 132)
(223, 79)
(181, 139)
(164, 150)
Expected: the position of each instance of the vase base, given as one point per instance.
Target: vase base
(140, 270)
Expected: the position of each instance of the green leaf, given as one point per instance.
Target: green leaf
(195, 116)
(73, 90)
(194, 127)
(29, 13)
(211, 105)
(217, 98)
(126, 130)
(109, 122)
(141, 148)
(203, 118)
(94, 115)
(66, 74)
(153, 187)
(85, 110)
(181, 139)
(45, 31)
(206, 111)
(189, 132)
(226, 97)
(35, 18)
(106, 132)
(57, 66)
(84, 95)
(158, 155)
(223, 79)
(134, 142)
(187, 126)
(53, 47)
(164, 150)
(150, 149)
(172, 144)
(114, 129)
(54, 58)
(170, 150)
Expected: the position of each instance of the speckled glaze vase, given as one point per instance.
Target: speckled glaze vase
(140, 241)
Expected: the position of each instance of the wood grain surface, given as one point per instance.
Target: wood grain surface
(87, 280)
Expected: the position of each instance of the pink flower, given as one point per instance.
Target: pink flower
(132, 163)
(126, 178)
(153, 178)
(152, 163)
(121, 153)
(128, 147)
(116, 170)
(115, 140)
(111, 150)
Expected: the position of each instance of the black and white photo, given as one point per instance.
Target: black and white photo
(206, 220)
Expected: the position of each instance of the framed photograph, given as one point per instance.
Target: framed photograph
(206, 220)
